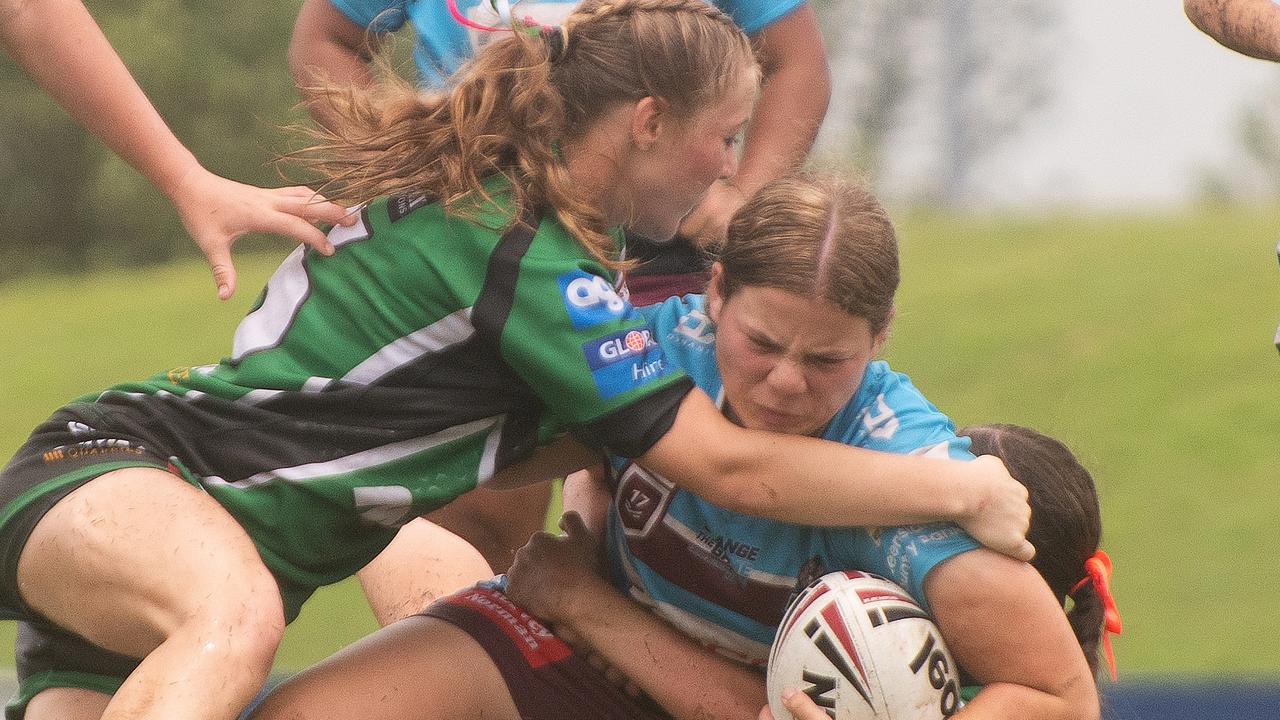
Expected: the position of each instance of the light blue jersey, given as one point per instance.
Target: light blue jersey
(724, 578)
(443, 44)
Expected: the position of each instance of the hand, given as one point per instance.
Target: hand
(217, 211)
(707, 224)
(801, 707)
(550, 572)
(1001, 515)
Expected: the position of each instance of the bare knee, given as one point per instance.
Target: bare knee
(240, 622)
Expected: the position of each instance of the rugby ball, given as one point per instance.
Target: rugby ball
(862, 649)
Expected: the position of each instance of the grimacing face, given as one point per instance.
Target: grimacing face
(788, 362)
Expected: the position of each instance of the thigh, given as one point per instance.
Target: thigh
(497, 522)
(149, 551)
(423, 563)
(419, 668)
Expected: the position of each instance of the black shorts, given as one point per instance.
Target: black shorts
(61, 455)
(546, 678)
(50, 657)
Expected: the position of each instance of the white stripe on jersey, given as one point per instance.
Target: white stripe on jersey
(710, 635)
(363, 459)
(286, 290)
(447, 331)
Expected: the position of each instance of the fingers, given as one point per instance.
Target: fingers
(1026, 552)
(224, 272)
(302, 231)
(572, 524)
(313, 207)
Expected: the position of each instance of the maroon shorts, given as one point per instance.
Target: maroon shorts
(546, 678)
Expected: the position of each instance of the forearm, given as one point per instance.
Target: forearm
(1251, 27)
(687, 680)
(792, 103)
(60, 46)
(327, 50)
(800, 479)
(999, 701)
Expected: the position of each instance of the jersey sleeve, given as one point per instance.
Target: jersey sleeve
(377, 15)
(905, 555)
(889, 414)
(755, 15)
(588, 354)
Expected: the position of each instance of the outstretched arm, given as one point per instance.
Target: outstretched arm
(792, 104)
(815, 482)
(1251, 27)
(61, 47)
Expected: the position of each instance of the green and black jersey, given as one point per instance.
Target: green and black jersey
(370, 387)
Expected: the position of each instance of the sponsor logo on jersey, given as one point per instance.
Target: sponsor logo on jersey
(624, 361)
(811, 570)
(883, 422)
(723, 548)
(591, 300)
(695, 330)
(398, 207)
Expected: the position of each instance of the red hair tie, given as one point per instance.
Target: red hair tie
(1098, 572)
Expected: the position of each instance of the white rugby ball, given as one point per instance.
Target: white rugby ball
(862, 649)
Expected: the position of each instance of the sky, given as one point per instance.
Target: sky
(1143, 105)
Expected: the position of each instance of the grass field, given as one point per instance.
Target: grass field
(1144, 342)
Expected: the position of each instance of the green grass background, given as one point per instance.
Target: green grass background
(1143, 341)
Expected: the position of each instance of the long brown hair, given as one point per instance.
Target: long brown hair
(818, 235)
(1066, 523)
(521, 96)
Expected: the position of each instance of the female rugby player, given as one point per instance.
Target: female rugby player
(158, 536)
(785, 340)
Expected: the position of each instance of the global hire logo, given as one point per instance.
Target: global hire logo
(624, 361)
(590, 300)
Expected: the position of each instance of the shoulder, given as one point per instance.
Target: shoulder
(889, 413)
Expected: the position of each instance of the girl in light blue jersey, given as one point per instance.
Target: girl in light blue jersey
(784, 341)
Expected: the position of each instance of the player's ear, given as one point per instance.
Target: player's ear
(715, 292)
(649, 117)
(882, 337)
